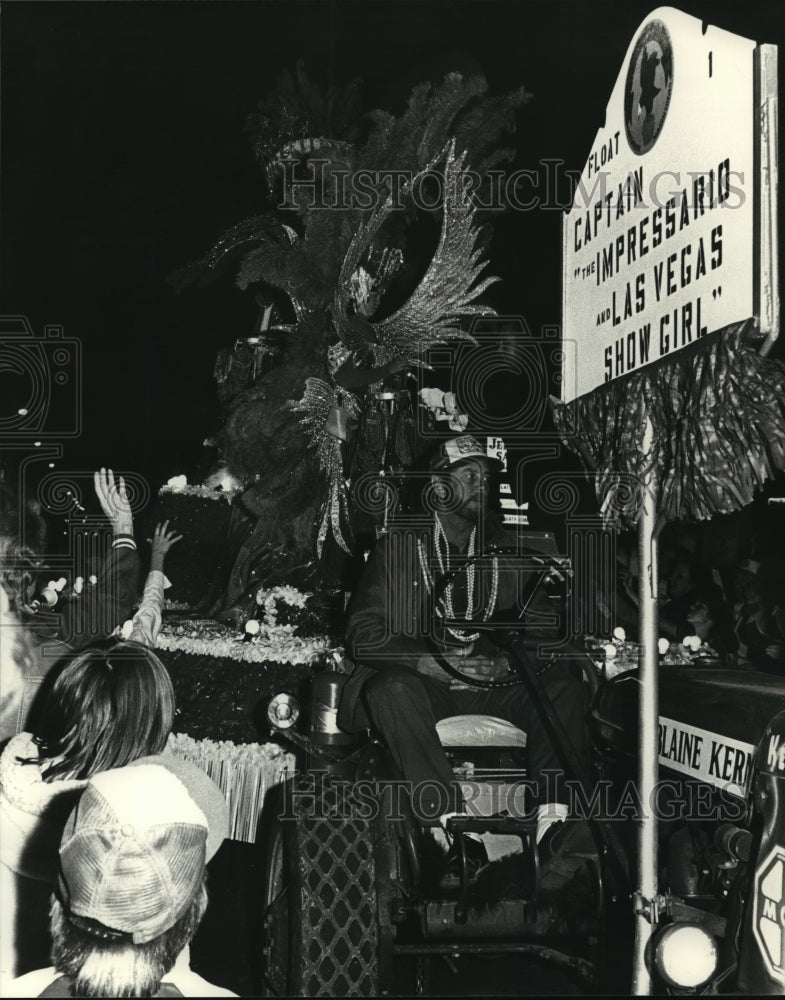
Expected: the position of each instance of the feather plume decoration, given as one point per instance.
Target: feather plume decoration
(298, 110)
(339, 269)
(259, 229)
(319, 398)
(449, 288)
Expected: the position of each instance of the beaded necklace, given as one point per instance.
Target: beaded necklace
(445, 607)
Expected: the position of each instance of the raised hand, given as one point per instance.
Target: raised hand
(163, 539)
(113, 498)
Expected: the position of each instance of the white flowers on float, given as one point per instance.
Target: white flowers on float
(265, 645)
(223, 490)
(271, 599)
(255, 641)
(49, 596)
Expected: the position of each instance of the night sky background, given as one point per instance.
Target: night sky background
(124, 156)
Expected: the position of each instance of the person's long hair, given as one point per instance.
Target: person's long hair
(99, 968)
(107, 708)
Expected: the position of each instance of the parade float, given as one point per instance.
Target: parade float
(316, 398)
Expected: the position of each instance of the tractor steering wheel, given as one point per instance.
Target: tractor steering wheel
(501, 633)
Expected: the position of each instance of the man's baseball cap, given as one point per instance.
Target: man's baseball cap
(133, 851)
(749, 566)
(459, 449)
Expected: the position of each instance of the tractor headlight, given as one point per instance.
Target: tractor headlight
(685, 955)
(283, 710)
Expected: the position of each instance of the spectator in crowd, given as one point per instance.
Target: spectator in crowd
(759, 618)
(686, 587)
(58, 623)
(131, 890)
(143, 627)
(712, 624)
(106, 708)
(18, 657)
(745, 589)
(146, 623)
(101, 606)
(625, 612)
(22, 539)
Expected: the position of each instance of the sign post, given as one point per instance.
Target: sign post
(648, 727)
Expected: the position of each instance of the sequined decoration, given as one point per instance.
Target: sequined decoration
(337, 354)
(718, 416)
(319, 398)
(449, 288)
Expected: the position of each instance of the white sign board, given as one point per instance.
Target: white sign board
(658, 244)
(718, 760)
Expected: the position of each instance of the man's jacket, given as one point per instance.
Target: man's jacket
(392, 620)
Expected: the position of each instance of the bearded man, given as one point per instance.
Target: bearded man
(398, 632)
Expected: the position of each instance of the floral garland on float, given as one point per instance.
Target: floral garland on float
(282, 607)
(255, 643)
(619, 654)
(283, 625)
(226, 489)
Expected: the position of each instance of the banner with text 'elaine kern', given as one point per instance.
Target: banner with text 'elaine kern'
(658, 243)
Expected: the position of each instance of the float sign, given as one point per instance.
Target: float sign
(658, 243)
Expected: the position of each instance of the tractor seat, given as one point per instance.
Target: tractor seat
(479, 731)
(488, 756)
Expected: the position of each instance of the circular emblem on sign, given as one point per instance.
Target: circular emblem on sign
(647, 92)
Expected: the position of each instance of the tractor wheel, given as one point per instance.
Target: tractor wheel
(320, 899)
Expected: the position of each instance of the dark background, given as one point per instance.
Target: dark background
(124, 156)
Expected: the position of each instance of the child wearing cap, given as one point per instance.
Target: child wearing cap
(131, 885)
